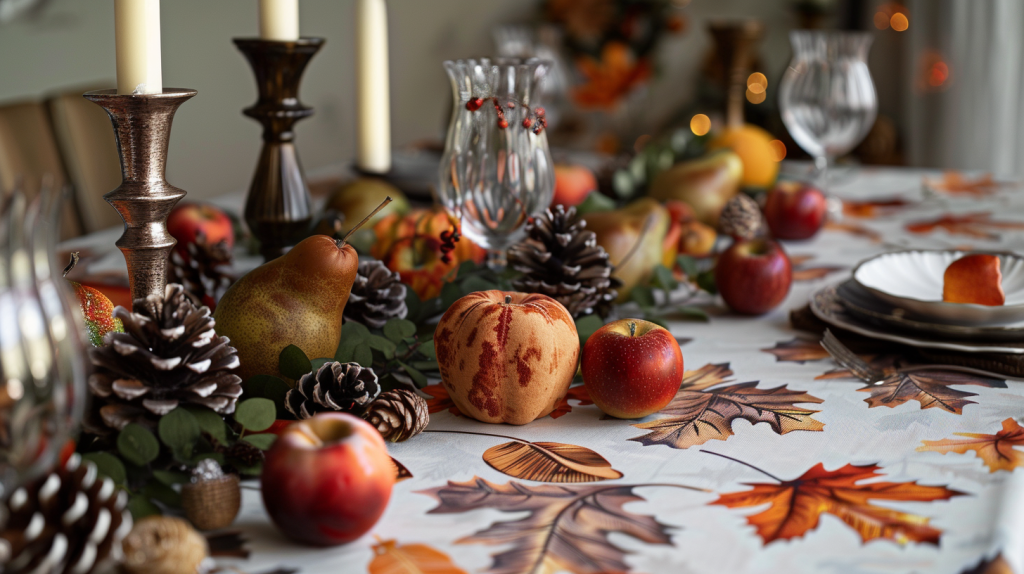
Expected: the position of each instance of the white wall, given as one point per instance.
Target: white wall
(213, 147)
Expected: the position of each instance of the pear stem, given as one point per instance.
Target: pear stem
(71, 265)
(382, 205)
(648, 224)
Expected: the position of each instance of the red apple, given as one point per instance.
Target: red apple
(327, 480)
(572, 184)
(795, 210)
(753, 276)
(189, 219)
(632, 368)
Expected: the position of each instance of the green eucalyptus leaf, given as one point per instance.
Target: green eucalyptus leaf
(170, 478)
(425, 365)
(643, 296)
(664, 279)
(256, 415)
(398, 329)
(467, 268)
(688, 265)
(382, 344)
(477, 283)
(137, 444)
(317, 363)
(261, 441)
(450, 293)
(586, 326)
(211, 422)
(254, 470)
(427, 349)
(418, 378)
(108, 465)
(413, 304)
(180, 430)
(293, 363)
(694, 313)
(141, 507)
(160, 492)
(706, 281)
(595, 201)
(363, 355)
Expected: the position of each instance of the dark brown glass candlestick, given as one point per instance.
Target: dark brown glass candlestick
(142, 127)
(278, 210)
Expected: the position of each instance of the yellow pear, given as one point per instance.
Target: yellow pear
(706, 184)
(641, 225)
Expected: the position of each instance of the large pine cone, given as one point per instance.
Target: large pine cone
(70, 521)
(344, 387)
(741, 218)
(398, 415)
(169, 354)
(377, 295)
(561, 259)
(205, 272)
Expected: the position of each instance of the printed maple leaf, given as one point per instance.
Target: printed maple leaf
(995, 565)
(440, 400)
(802, 273)
(955, 183)
(700, 413)
(798, 351)
(854, 229)
(566, 527)
(578, 393)
(873, 207)
(795, 506)
(995, 450)
(979, 225)
(390, 557)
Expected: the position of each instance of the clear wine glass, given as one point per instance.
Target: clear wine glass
(827, 98)
(496, 171)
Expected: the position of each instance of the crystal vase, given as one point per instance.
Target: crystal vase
(496, 170)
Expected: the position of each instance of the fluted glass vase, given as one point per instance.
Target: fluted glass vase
(496, 170)
(42, 358)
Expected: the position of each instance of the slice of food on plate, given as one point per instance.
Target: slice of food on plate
(974, 279)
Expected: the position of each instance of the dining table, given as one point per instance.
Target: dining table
(771, 458)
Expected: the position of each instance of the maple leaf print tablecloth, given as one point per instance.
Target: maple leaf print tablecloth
(770, 459)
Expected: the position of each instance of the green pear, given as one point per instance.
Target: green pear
(633, 238)
(706, 184)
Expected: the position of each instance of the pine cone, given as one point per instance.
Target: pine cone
(71, 508)
(377, 295)
(169, 354)
(245, 453)
(559, 258)
(741, 218)
(205, 272)
(398, 415)
(345, 387)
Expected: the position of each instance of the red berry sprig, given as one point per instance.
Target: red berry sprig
(474, 104)
(448, 240)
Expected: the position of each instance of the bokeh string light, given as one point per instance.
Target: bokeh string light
(700, 124)
(757, 88)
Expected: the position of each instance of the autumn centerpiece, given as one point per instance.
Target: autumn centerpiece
(506, 357)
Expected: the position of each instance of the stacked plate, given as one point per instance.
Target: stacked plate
(898, 297)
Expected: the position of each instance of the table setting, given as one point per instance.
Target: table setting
(694, 356)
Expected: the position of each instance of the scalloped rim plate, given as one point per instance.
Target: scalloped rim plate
(912, 281)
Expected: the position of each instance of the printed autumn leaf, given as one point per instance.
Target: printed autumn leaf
(566, 529)
(578, 393)
(796, 505)
(813, 273)
(995, 450)
(996, 565)
(699, 413)
(979, 225)
(872, 207)
(390, 557)
(401, 473)
(549, 462)
(929, 388)
(798, 351)
(439, 400)
(955, 183)
(854, 229)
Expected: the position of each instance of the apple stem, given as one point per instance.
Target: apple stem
(382, 205)
(74, 261)
(632, 329)
(648, 223)
(768, 474)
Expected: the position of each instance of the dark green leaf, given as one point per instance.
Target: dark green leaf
(170, 478)
(108, 465)
(180, 430)
(477, 283)
(427, 349)
(317, 363)
(688, 265)
(413, 305)
(141, 507)
(694, 313)
(398, 329)
(706, 281)
(363, 355)
(160, 492)
(137, 444)
(595, 201)
(425, 365)
(663, 279)
(418, 378)
(587, 325)
(256, 415)
(245, 470)
(261, 441)
(212, 422)
(354, 329)
(450, 293)
(467, 268)
(293, 362)
(643, 296)
(382, 344)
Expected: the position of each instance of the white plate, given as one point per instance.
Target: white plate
(912, 280)
(825, 305)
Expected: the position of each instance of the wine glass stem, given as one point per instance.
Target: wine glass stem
(821, 164)
(496, 259)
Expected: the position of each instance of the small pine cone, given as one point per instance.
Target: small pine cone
(71, 520)
(398, 415)
(741, 218)
(377, 295)
(206, 272)
(168, 355)
(244, 453)
(345, 387)
(561, 259)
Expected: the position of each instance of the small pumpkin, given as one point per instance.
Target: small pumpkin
(507, 357)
